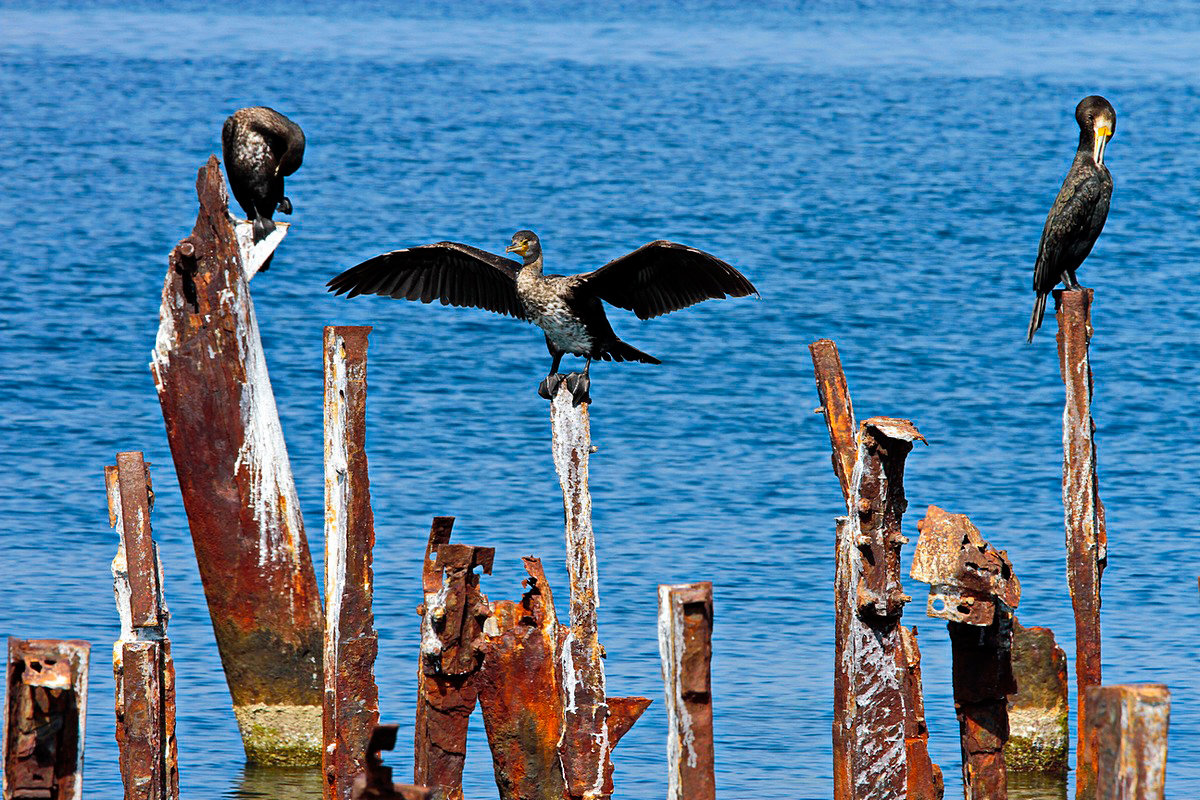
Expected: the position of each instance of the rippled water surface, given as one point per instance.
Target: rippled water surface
(880, 171)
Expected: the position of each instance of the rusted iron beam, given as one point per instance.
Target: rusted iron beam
(45, 710)
(351, 708)
(870, 754)
(232, 464)
(973, 587)
(925, 781)
(142, 663)
(1038, 737)
(685, 620)
(452, 644)
(1087, 539)
(375, 781)
(838, 411)
(1127, 732)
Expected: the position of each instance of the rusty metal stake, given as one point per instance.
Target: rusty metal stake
(972, 586)
(925, 781)
(45, 710)
(685, 620)
(452, 643)
(142, 664)
(837, 408)
(232, 463)
(1127, 733)
(375, 781)
(351, 708)
(1038, 737)
(1087, 540)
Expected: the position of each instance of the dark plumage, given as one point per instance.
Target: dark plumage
(1078, 214)
(261, 147)
(654, 279)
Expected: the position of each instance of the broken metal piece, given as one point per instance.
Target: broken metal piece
(255, 254)
(1087, 539)
(966, 575)
(838, 411)
(242, 508)
(925, 781)
(45, 711)
(685, 620)
(375, 781)
(1038, 738)
(351, 707)
(1127, 734)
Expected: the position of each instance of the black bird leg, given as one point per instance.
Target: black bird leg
(285, 206)
(1070, 282)
(579, 384)
(549, 385)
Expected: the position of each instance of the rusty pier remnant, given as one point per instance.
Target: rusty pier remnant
(1127, 733)
(880, 740)
(1038, 734)
(375, 781)
(452, 619)
(45, 711)
(972, 586)
(351, 708)
(685, 621)
(242, 509)
(142, 664)
(1087, 539)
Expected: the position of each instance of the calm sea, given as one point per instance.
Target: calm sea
(880, 170)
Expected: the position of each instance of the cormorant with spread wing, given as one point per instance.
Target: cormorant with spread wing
(1078, 214)
(655, 279)
(260, 148)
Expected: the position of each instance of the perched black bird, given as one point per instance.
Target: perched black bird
(1078, 214)
(654, 279)
(261, 147)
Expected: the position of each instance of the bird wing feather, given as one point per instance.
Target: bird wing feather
(453, 273)
(663, 276)
(1072, 227)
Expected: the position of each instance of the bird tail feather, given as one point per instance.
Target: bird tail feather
(620, 351)
(1039, 310)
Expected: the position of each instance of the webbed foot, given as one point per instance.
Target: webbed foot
(549, 386)
(578, 384)
(285, 206)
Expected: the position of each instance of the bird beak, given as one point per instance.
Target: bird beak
(1100, 141)
(519, 249)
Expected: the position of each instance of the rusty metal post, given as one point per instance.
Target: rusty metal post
(452, 643)
(351, 708)
(972, 586)
(685, 620)
(375, 781)
(1087, 540)
(838, 411)
(870, 755)
(232, 463)
(1038, 735)
(142, 663)
(45, 711)
(1127, 732)
(925, 781)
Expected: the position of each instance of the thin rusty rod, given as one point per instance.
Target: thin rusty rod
(1087, 539)
(351, 697)
(685, 620)
(837, 408)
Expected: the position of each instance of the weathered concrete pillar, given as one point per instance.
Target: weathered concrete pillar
(452, 643)
(232, 463)
(45, 711)
(1127, 733)
(1038, 735)
(972, 585)
(685, 620)
(1087, 539)
(351, 708)
(142, 664)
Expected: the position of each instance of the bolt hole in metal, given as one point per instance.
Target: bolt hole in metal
(937, 604)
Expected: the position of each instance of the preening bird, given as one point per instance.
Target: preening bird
(655, 279)
(260, 148)
(1078, 214)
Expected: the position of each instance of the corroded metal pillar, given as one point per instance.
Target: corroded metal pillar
(972, 586)
(1087, 539)
(452, 643)
(1038, 735)
(351, 708)
(837, 408)
(232, 463)
(1127, 733)
(925, 781)
(685, 620)
(142, 664)
(45, 710)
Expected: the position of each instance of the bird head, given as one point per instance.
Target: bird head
(526, 245)
(1097, 123)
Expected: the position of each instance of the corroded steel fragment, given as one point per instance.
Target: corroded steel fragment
(685, 620)
(1127, 733)
(375, 781)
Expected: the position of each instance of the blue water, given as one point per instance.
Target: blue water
(881, 171)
